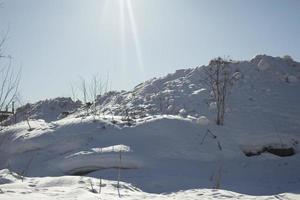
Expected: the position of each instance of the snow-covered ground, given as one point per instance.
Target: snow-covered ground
(170, 145)
(85, 188)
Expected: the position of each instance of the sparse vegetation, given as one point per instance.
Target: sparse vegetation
(91, 184)
(217, 175)
(9, 79)
(90, 90)
(219, 77)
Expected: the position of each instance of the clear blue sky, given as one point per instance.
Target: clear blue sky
(56, 41)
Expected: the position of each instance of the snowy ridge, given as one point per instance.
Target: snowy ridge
(183, 92)
(180, 93)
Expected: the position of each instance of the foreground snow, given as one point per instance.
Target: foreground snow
(160, 154)
(76, 187)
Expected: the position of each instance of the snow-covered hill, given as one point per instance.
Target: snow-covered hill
(172, 142)
(183, 92)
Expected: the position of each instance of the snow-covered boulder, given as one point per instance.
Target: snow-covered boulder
(263, 65)
(170, 108)
(290, 78)
(203, 121)
(237, 76)
(182, 112)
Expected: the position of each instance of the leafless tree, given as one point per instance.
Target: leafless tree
(107, 83)
(219, 77)
(9, 78)
(73, 93)
(96, 89)
(90, 91)
(83, 89)
(84, 92)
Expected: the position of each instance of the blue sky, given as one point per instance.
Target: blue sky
(57, 41)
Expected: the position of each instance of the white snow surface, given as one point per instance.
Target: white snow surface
(163, 150)
(76, 187)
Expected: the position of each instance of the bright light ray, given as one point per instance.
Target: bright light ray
(135, 36)
(122, 31)
(122, 22)
(126, 16)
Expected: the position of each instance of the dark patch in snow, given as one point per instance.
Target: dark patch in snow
(278, 151)
(86, 170)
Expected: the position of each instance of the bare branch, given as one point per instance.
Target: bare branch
(9, 79)
(218, 78)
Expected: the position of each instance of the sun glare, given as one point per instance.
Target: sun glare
(127, 21)
(135, 34)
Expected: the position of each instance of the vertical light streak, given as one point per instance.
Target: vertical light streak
(135, 36)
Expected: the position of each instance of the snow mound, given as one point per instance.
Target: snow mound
(48, 110)
(203, 121)
(185, 93)
(291, 78)
(87, 161)
(263, 65)
(6, 176)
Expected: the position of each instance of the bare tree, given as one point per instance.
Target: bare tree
(90, 91)
(84, 92)
(83, 88)
(73, 93)
(96, 89)
(107, 83)
(9, 78)
(219, 77)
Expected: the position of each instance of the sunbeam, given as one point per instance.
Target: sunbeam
(135, 35)
(127, 31)
(122, 32)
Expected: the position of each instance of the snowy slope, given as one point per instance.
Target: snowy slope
(165, 149)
